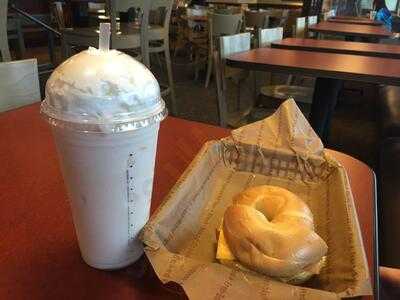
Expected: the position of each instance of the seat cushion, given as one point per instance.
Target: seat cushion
(389, 103)
(389, 203)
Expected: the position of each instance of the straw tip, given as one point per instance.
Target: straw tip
(104, 36)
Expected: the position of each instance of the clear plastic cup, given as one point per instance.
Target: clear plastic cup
(105, 108)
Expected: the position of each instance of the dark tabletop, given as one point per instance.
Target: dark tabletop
(336, 46)
(360, 21)
(367, 31)
(320, 64)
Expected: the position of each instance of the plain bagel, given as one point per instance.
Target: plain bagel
(271, 230)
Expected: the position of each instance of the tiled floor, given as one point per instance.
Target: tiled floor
(354, 128)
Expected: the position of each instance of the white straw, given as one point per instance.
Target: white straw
(104, 37)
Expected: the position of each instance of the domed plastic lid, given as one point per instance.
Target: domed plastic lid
(102, 91)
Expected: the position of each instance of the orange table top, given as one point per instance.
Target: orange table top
(360, 21)
(40, 258)
(335, 46)
(346, 29)
(319, 64)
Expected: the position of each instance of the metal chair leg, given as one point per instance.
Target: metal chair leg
(170, 78)
(209, 69)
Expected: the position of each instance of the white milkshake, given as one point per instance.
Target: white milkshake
(105, 108)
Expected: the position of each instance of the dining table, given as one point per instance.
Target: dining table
(329, 69)
(338, 46)
(351, 30)
(360, 21)
(195, 18)
(40, 257)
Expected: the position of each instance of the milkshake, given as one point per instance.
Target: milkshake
(104, 108)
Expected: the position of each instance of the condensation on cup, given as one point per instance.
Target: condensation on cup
(104, 108)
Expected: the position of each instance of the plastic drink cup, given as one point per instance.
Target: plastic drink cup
(104, 108)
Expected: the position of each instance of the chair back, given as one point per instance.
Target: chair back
(312, 20)
(19, 84)
(269, 35)
(224, 24)
(228, 45)
(96, 8)
(300, 28)
(58, 14)
(232, 44)
(142, 11)
(290, 24)
(164, 9)
(4, 48)
(256, 19)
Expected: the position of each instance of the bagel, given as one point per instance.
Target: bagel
(270, 230)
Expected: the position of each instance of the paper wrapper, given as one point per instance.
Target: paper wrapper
(282, 150)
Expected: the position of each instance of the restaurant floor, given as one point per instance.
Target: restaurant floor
(354, 128)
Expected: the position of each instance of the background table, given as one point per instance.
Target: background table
(329, 68)
(40, 258)
(336, 46)
(319, 64)
(352, 30)
(360, 21)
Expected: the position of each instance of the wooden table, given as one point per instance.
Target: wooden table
(350, 17)
(351, 30)
(329, 68)
(319, 64)
(40, 258)
(194, 18)
(335, 46)
(360, 21)
(243, 4)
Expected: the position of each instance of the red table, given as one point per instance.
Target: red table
(39, 253)
(352, 30)
(355, 20)
(336, 46)
(319, 64)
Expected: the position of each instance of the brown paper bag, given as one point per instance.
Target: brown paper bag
(282, 150)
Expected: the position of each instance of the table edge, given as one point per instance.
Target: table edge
(392, 55)
(232, 62)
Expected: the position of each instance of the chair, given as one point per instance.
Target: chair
(14, 30)
(300, 28)
(328, 14)
(278, 17)
(269, 35)
(290, 24)
(158, 37)
(123, 35)
(283, 91)
(219, 25)
(311, 20)
(19, 84)
(255, 19)
(4, 48)
(229, 45)
(195, 32)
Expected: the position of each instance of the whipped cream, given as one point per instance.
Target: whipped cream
(97, 90)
